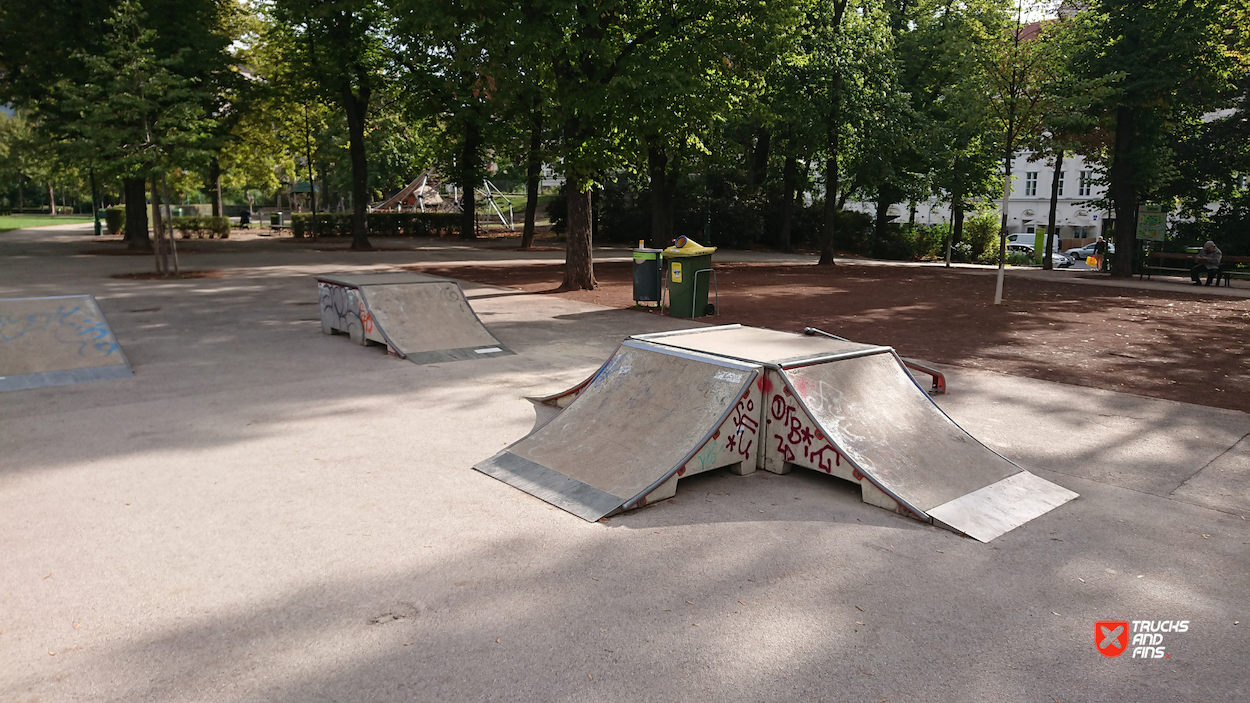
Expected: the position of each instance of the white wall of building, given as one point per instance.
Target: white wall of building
(1029, 206)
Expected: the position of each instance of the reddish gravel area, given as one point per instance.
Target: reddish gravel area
(1178, 345)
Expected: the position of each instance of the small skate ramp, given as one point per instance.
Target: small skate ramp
(649, 416)
(854, 411)
(55, 342)
(880, 421)
(419, 318)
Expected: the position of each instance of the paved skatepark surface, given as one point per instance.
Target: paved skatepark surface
(265, 513)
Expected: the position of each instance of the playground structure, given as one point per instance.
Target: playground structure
(422, 195)
(846, 409)
(419, 318)
(57, 341)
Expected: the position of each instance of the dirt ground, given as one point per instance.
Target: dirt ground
(1180, 346)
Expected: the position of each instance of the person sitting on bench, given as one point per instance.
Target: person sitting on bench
(1208, 260)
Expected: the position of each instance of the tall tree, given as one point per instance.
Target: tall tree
(1175, 64)
(346, 55)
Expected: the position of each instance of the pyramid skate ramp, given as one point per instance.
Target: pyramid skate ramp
(649, 416)
(419, 318)
(854, 411)
(56, 341)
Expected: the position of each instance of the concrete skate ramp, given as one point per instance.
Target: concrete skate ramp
(55, 342)
(639, 420)
(879, 419)
(420, 318)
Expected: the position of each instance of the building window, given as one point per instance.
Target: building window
(1083, 187)
(1030, 183)
(1061, 183)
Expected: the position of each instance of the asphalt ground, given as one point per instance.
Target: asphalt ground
(265, 512)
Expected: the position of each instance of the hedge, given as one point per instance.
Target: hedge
(379, 224)
(209, 227)
(115, 218)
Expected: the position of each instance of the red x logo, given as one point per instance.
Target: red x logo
(1111, 636)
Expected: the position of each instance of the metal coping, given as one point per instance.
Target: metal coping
(854, 464)
(801, 361)
(44, 379)
(96, 303)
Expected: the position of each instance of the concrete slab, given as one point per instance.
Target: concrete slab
(270, 518)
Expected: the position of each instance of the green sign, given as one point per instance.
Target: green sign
(1152, 223)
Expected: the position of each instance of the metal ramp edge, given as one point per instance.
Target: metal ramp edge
(587, 501)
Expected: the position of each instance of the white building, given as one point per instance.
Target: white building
(1029, 207)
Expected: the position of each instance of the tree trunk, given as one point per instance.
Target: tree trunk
(136, 215)
(957, 224)
(759, 167)
(831, 201)
(1124, 193)
(533, 174)
(469, 181)
(1002, 230)
(579, 272)
(657, 171)
(51, 200)
(357, 108)
(158, 231)
(1049, 242)
(881, 217)
(789, 177)
(214, 184)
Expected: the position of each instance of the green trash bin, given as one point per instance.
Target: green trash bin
(648, 275)
(689, 275)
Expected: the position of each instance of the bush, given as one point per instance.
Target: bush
(379, 224)
(1019, 258)
(209, 227)
(961, 252)
(981, 233)
(115, 219)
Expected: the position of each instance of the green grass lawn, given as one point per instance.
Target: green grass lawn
(11, 222)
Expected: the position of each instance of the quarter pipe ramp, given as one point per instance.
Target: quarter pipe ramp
(648, 417)
(419, 318)
(854, 411)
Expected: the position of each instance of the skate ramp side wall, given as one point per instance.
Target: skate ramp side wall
(56, 341)
(640, 419)
(429, 322)
(758, 345)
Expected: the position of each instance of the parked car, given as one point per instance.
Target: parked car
(1087, 251)
(1057, 260)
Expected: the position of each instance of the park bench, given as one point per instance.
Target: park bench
(1180, 263)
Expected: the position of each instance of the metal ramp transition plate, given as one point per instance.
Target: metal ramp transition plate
(55, 342)
(854, 411)
(650, 416)
(419, 318)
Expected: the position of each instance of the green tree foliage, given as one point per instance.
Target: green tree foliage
(1174, 64)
